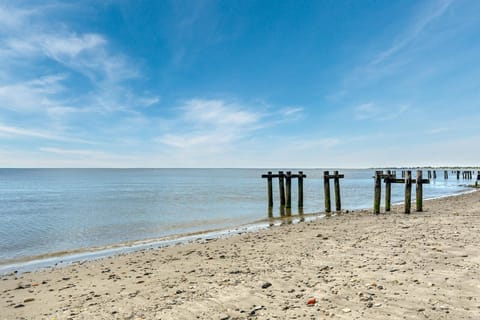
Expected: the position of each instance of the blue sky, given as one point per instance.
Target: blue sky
(239, 83)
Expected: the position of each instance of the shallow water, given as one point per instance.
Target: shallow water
(51, 210)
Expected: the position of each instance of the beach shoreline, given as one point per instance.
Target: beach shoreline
(355, 265)
(82, 255)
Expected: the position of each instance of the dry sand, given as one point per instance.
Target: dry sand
(356, 266)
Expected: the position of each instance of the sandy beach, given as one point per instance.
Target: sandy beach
(349, 266)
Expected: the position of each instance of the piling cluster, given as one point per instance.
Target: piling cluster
(388, 177)
(284, 188)
(326, 186)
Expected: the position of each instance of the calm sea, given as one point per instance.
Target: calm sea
(55, 210)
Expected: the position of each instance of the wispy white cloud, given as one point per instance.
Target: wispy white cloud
(193, 139)
(87, 54)
(71, 45)
(215, 124)
(320, 143)
(74, 152)
(33, 94)
(427, 15)
(148, 101)
(395, 56)
(22, 132)
(12, 17)
(217, 113)
(372, 111)
(438, 130)
(292, 112)
(212, 122)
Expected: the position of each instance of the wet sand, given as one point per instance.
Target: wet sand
(351, 266)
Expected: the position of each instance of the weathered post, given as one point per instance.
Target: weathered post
(458, 174)
(388, 191)
(419, 191)
(269, 189)
(408, 191)
(445, 175)
(378, 191)
(336, 183)
(288, 185)
(282, 211)
(434, 174)
(281, 188)
(429, 174)
(326, 188)
(300, 189)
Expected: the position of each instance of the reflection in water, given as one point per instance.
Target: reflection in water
(287, 220)
(300, 214)
(288, 212)
(286, 216)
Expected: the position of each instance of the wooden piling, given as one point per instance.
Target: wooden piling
(270, 190)
(445, 175)
(408, 191)
(458, 174)
(300, 190)
(336, 183)
(378, 191)
(434, 174)
(419, 191)
(388, 191)
(288, 185)
(281, 188)
(326, 188)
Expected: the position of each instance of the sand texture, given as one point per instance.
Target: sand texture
(352, 266)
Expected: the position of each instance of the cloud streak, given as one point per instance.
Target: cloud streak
(213, 123)
(22, 132)
(372, 111)
(422, 21)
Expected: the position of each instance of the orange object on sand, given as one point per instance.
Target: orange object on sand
(311, 301)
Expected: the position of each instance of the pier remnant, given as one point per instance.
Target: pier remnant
(284, 188)
(281, 188)
(326, 186)
(408, 191)
(300, 189)
(288, 188)
(389, 179)
(388, 191)
(378, 192)
(419, 191)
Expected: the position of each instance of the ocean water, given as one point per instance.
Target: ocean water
(47, 211)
